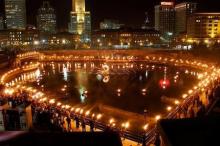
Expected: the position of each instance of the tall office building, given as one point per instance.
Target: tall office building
(15, 12)
(165, 18)
(183, 11)
(80, 21)
(46, 18)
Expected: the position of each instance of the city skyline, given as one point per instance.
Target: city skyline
(123, 10)
(147, 71)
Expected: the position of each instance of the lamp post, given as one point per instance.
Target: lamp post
(122, 129)
(145, 128)
(98, 117)
(124, 126)
(111, 122)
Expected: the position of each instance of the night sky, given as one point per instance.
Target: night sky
(129, 12)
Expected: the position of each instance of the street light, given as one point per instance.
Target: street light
(81, 111)
(177, 102)
(93, 115)
(124, 127)
(169, 108)
(190, 91)
(59, 104)
(127, 124)
(63, 41)
(119, 90)
(99, 116)
(111, 121)
(145, 127)
(77, 110)
(87, 113)
(158, 117)
(9, 91)
(67, 106)
(52, 101)
(184, 96)
(44, 99)
(36, 42)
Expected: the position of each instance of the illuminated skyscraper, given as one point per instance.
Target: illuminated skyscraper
(15, 12)
(165, 18)
(183, 11)
(46, 19)
(80, 21)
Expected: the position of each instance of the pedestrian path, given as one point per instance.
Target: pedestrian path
(125, 142)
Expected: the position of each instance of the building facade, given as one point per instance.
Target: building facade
(46, 18)
(15, 13)
(110, 24)
(203, 27)
(183, 11)
(165, 18)
(80, 21)
(1, 22)
(125, 38)
(58, 39)
(15, 37)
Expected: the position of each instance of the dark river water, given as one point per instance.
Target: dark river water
(131, 87)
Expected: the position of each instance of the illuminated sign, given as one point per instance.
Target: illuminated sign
(167, 3)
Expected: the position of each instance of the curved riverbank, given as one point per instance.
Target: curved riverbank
(200, 93)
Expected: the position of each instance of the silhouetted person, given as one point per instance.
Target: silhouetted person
(157, 140)
(92, 126)
(77, 122)
(83, 125)
(68, 120)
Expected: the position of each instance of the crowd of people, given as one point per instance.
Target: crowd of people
(199, 103)
(16, 99)
(55, 118)
(59, 118)
(196, 106)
